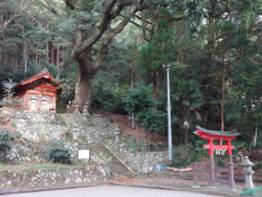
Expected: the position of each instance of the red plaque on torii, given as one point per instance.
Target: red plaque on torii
(219, 137)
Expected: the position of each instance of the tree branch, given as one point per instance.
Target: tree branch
(106, 19)
(70, 4)
(117, 11)
(49, 7)
(108, 14)
(109, 37)
(4, 24)
(140, 26)
(142, 19)
(19, 10)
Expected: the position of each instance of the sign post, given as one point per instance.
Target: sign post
(84, 155)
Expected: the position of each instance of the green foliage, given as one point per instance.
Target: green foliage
(189, 93)
(152, 120)
(139, 99)
(59, 155)
(256, 192)
(108, 93)
(135, 145)
(5, 145)
(160, 48)
(52, 69)
(5, 136)
(140, 102)
(221, 161)
(198, 148)
(184, 155)
(198, 38)
(109, 99)
(258, 166)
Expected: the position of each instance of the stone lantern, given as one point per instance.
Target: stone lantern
(85, 111)
(117, 134)
(248, 172)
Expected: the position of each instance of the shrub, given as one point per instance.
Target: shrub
(109, 98)
(183, 155)
(200, 152)
(152, 120)
(136, 145)
(186, 154)
(5, 136)
(5, 145)
(221, 161)
(139, 99)
(258, 166)
(59, 155)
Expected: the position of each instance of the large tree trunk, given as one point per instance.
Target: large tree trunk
(82, 91)
(87, 71)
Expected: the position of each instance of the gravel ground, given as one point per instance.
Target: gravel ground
(111, 191)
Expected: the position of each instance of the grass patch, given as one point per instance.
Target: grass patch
(257, 192)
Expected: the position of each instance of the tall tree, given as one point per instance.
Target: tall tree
(86, 41)
(103, 30)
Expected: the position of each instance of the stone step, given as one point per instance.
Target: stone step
(114, 163)
(120, 159)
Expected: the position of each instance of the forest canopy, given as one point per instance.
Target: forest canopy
(109, 55)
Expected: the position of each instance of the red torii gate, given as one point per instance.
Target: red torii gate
(219, 136)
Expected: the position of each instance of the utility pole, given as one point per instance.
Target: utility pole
(170, 148)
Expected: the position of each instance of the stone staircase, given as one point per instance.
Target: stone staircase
(109, 162)
(121, 160)
(97, 133)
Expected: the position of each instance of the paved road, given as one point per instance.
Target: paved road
(110, 191)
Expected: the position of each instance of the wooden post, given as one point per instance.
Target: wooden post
(230, 166)
(212, 162)
(57, 62)
(25, 57)
(47, 53)
(36, 55)
(53, 54)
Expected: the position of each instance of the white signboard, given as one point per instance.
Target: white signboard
(83, 154)
(220, 152)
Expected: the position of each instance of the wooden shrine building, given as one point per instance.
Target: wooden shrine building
(37, 94)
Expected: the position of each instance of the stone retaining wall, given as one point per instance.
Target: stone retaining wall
(146, 162)
(108, 149)
(48, 177)
(40, 131)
